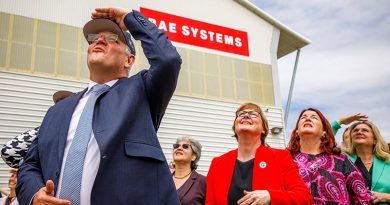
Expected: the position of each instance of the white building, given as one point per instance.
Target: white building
(229, 50)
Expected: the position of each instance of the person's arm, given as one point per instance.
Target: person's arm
(161, 78)
(336, 125)
(29, 176)
(165, 62)
(203, 185)
(30, 187)
(45, 195)
(4, 191)
(14, 151)
(255, 197)
(378, 197)
(211, 184)
(295, 190)
(352, 118)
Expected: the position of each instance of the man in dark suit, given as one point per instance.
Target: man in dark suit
(124, 163)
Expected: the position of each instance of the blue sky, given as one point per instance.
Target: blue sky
(346, 68)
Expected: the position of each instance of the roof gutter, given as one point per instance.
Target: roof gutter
(256, 10)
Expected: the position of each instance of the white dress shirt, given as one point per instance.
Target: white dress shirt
(92, 157)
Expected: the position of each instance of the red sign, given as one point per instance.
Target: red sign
(197, 33)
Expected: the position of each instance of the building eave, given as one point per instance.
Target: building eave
(289, 40)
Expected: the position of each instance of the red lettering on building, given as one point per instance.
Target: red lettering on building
(197, 33)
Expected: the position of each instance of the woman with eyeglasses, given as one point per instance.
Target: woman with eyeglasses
(330, 175)
(190, 185)
(254, 173)
(370, 153)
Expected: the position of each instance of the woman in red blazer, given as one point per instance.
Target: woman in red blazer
(254, 173)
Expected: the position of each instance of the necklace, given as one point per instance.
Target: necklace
(183, 176)
(367, 162)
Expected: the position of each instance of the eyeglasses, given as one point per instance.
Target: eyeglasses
(92, 38)
(252, 114)
(185, 146)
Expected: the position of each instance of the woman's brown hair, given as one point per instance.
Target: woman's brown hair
(263, 119)
(328, 142)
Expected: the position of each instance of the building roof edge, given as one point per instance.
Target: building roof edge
(301, 40)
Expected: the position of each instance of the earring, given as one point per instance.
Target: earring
(296, 135)
(323, 135)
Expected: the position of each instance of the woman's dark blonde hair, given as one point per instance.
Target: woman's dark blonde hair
(380, 149)
(263, 119)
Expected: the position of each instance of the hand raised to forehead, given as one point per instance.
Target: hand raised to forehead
(113, 13)
(351, 118)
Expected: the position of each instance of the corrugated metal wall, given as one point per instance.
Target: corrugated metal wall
(24, 100)
(210, 122)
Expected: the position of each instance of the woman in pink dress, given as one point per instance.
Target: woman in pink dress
(330, 176)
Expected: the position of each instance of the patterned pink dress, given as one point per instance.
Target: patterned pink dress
(332, 179)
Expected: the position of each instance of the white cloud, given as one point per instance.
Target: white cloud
(346, 68)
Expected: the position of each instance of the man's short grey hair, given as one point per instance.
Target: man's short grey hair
(196, 149)
(128, 52)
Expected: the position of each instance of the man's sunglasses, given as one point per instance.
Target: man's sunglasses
(185, 146)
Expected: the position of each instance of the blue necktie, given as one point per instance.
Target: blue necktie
(73, 171)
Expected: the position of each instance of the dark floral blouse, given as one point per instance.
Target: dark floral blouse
(332, 179)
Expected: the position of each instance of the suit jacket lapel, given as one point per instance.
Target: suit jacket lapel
(96, 127)
(227, 172)
(188, 184)
(377, 171)
(263, 166)
(223, 174)
(66, 114)
(353, 158)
